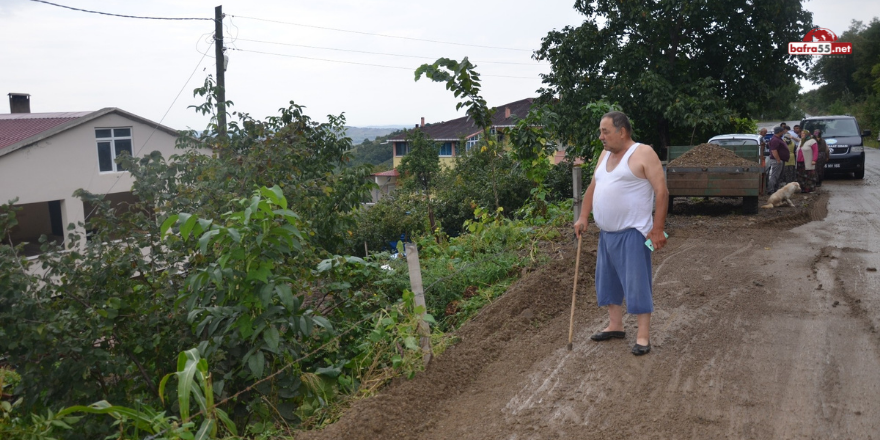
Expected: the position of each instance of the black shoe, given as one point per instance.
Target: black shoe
(604, 336)
(639, 350)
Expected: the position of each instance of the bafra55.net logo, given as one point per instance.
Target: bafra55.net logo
(819, 41)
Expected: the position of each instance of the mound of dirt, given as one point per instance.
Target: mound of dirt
(710, 155)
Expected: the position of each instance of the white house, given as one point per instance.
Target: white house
(45, 157)
(386, 182)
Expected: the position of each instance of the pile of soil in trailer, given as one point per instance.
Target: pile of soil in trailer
(710, 155)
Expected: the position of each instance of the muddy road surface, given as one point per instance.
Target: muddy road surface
(766, 328)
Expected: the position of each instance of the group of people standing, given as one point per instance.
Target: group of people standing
(795, 154)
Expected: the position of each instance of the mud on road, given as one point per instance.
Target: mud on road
(765, 327)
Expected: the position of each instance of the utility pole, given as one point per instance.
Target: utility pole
(221, 73)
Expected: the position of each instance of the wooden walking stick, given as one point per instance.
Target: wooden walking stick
(577, 263)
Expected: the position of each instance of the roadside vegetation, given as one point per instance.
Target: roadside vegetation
(248, 267)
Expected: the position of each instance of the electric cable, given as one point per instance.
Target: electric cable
(207, 37)
(120, 15)
(228, 31)
(364, 64)
(137, 153)
(382, 35)
(376, 53)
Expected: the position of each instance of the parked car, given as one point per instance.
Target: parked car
(844, 140)
(738, 139)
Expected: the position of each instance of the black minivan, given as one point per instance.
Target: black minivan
(844, 140)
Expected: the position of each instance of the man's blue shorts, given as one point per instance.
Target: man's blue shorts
(623, 271)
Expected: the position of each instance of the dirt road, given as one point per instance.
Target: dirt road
(762, 330)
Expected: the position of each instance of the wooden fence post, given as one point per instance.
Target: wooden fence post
(415, 281)
(577, 184)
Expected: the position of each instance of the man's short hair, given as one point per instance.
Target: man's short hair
(797, 126)
(619, 120)
(777, 130)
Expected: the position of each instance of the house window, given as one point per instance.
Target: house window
(446, 149)
(400, 149)
(471, 142)
(111, 143)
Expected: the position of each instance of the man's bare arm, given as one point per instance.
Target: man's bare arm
(587, 203)
(654, 173)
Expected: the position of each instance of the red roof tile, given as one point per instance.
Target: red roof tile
(559, 156)
(17, 127)
(390, 173)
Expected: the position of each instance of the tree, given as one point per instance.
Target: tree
(850, 83)
(463, 80)
(422, 163)
(376, 153)
(852, 73)
(673, 66)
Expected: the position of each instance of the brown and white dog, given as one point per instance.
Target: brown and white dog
(783, 195)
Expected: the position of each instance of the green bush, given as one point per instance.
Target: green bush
(401, 213)
(470, 185)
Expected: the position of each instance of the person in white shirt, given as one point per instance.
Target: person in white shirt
(626, 183)
(795, 134)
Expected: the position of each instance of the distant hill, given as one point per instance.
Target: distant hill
(358, 134)
(374, 152)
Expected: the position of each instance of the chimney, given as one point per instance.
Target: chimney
(423, 122)
(417, 125)
(19, 103)
(506, 112)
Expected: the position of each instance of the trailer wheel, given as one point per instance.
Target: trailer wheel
(669, 207)
(750, 205)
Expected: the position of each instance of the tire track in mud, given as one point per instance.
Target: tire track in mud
(836, 268)
(830, 385)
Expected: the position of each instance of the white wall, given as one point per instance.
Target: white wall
(55, 167)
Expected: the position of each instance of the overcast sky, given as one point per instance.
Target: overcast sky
(75, 61)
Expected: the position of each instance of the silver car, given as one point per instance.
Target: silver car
(739, 139)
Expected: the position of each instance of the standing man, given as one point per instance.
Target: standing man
(796, 134)
(824, 154)
(627, 181)
(778, 156)
(765, 141)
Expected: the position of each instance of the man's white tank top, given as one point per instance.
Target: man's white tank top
(620, 199)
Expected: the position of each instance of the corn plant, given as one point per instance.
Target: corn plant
(193, 381)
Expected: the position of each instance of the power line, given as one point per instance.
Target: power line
(383, 35)
(136, 153)
(182, 88)
(120, 15)
(363, 64)
(376, 53)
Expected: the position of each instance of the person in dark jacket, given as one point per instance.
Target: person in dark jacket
(824, 155)
(779, 154)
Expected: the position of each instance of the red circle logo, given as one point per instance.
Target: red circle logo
(818, 34)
